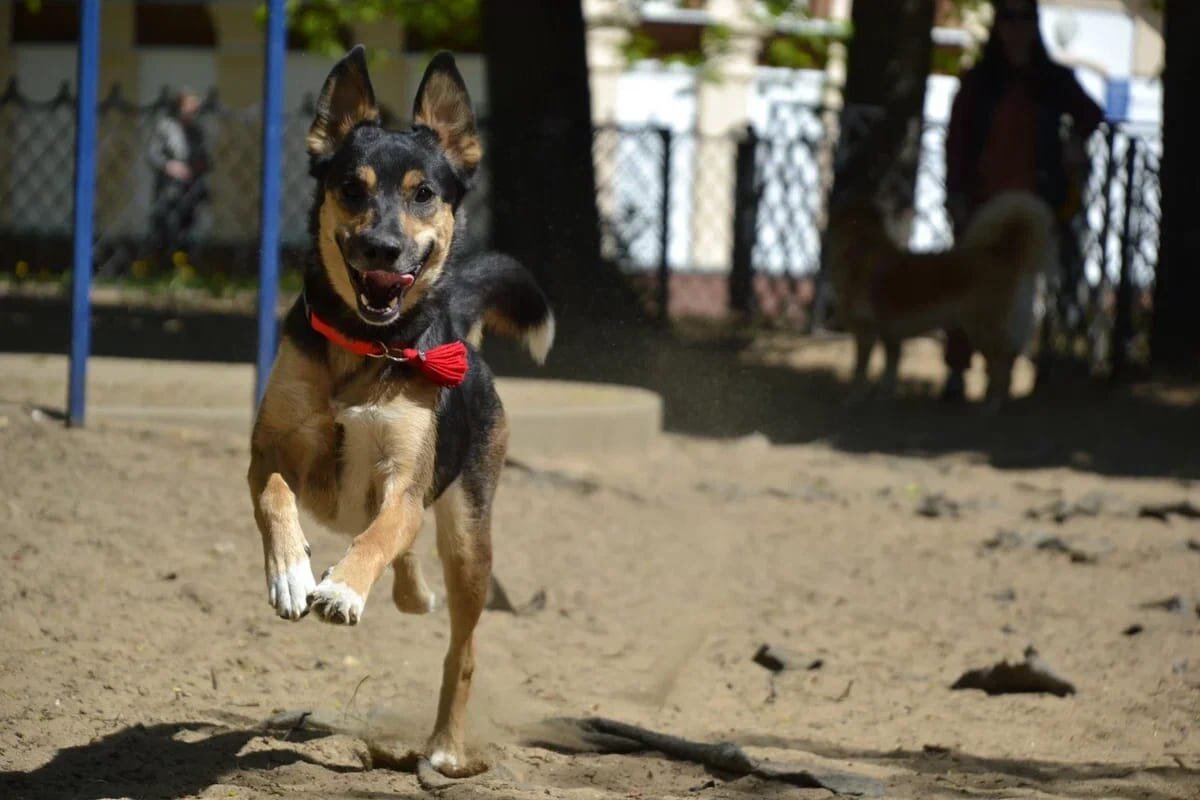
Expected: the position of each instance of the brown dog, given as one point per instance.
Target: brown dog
(988, 284)
(378, 404)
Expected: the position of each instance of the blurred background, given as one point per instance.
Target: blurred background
(656, 160)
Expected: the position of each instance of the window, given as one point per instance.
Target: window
(53, 22)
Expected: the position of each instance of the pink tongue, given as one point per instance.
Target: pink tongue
(380, 283)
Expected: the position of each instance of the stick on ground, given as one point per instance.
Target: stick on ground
(607, 736)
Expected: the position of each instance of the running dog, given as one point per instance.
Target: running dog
(379, 404)
(989, 284)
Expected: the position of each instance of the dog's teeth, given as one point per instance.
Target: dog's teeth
(362, 298)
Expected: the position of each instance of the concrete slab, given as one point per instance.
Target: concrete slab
(560, 418)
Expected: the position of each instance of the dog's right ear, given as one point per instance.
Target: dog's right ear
(444, 106)
(346, 100)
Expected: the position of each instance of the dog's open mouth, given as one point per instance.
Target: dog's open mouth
(379, 293)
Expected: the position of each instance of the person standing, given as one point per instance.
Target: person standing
(179, 158)
(1018, 123)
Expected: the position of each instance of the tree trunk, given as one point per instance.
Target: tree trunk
(1175, 338)
(886, 72)
(539, 139)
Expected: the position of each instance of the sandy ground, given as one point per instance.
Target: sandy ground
(140, 656)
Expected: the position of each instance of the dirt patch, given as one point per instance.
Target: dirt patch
(140, 655)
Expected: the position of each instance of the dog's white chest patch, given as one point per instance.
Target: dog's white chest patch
(377, 446)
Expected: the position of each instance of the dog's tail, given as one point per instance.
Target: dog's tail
(494, 292)
(1017, 227)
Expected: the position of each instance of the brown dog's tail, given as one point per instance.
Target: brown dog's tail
(494, 292)
(1017, 227)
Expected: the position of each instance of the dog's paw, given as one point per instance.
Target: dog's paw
(288, 589)
(335, 602)
(450, 762)
(444, 760)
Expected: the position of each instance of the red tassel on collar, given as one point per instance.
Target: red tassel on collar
(444, 365)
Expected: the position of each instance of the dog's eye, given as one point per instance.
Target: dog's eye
(353, 192)
(423, 194)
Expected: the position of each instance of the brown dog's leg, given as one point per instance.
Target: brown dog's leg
(999, 368)
(342, 592)
(285, 550)
(891, 367)
(464, 544)
(864, 343)
(410, 593)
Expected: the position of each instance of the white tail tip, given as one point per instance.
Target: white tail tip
(540, 339)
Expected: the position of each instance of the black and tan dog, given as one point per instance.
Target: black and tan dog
(378, 404)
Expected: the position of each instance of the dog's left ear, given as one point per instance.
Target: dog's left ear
(346, 101)
(444, 106)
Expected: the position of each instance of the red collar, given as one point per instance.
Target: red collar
(444, 365)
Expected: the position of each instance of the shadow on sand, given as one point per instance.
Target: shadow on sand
(166, 760)
(180, 759)
(944, 770)
(708, 390)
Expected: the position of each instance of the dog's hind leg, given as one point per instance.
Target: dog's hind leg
(891, 367)
(999, 368)
(464, 544)
(864, 343)
(410, 593)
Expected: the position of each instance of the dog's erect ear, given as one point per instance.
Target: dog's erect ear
(346, 100)
(444, 106)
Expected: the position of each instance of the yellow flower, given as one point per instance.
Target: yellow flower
(179, 258)
(21, 269)
(140, 269)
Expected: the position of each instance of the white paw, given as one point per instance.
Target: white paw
(443, 760)
(288, 590)
(334, 601)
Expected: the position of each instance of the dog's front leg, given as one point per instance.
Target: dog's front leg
(340, 596)
(285, 550)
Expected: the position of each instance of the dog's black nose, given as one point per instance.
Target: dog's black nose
(375, 251)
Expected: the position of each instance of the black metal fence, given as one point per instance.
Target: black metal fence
(703, 224)
(747, 236)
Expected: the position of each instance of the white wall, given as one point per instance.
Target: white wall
(658, 94)
(42, 68)
(1091, 36)
(173, 68)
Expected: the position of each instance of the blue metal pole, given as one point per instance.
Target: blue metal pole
(272, 155)
(85, 190)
